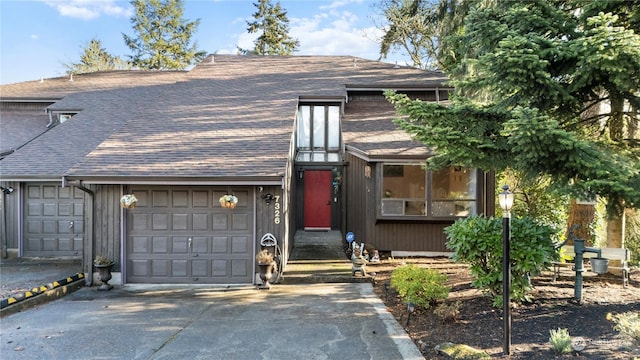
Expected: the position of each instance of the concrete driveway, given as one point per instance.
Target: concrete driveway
(317, 321)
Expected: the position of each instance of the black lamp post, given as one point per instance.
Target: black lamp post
(506, 202)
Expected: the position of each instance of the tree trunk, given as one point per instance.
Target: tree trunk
(582, 215)
(615, 238)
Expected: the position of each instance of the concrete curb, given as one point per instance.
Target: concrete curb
(41, 294)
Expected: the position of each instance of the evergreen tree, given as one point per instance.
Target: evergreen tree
(96, 58)
(413, 28)
(272, 23)
(163, 38)
(528, 79)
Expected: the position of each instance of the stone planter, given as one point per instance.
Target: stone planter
(266, 274)
(104, 274)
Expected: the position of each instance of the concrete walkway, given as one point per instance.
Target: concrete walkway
(317, 321)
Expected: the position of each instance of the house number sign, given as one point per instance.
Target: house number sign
(276, 210)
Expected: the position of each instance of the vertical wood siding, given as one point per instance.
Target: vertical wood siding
(108, 222)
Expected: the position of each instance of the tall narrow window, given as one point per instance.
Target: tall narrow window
(318, 132)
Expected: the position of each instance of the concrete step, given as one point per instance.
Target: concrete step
(321, 271)
(319, 257)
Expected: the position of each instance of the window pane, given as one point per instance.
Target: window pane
(304, 128)
(318, 127)
(403, 189)
(453, 192)
(334, 128)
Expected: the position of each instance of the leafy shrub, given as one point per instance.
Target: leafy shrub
(628, 324)
(477, 241)
(560, 340)
(420, 286)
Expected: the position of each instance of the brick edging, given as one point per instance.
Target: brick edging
(39, 290)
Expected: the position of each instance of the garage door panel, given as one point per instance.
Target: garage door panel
(49, 209)
(179, 268)
(179, 221)
(139, 221)
(160, 245)
(239, 268)
(160, 199)
(34, 209)
(240, 245)
(48, 227)
(160, 221)
(33, 244)
(49, 191)
(192, 238)
(65, 209)
(220, 245)
(200, 221)
(241, 221)
(65, 244)
(180, 199)
(179, 245)
(219, 268)
(200, 245)
(138, 268)
(220, 222)
(78, 227)
(139, 244)
(200, 199)
(200, 268)
(49, 244)
(160, 268)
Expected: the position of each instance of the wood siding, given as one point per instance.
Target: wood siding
(108, 222)
(10, 221)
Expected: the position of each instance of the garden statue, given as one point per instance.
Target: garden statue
(358, 261)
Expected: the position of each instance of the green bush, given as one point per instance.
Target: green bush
(477, 242)
(420, 286)
(560, 340)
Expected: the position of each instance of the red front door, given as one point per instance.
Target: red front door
(317, 199)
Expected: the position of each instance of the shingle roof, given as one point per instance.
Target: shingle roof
(230, 116)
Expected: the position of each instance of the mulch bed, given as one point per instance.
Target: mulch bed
(481, 326)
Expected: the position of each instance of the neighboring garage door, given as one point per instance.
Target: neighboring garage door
(183, 235)
(54, 221)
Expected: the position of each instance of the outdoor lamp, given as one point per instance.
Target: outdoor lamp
(506, 202)
(411, 308)
(506, 199)
(6, 190)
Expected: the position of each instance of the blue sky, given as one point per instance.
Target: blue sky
(38, 36)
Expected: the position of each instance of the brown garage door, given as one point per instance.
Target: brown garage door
(183, 235)
(54, 221)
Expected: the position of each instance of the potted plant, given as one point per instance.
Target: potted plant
(267, 265)
(104, 264)
(128, 201)
(228, 201)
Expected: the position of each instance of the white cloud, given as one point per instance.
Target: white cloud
(339, 3)
(335, 33)
(35, 37)
(89, 9)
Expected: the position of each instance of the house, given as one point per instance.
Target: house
(305, 143)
